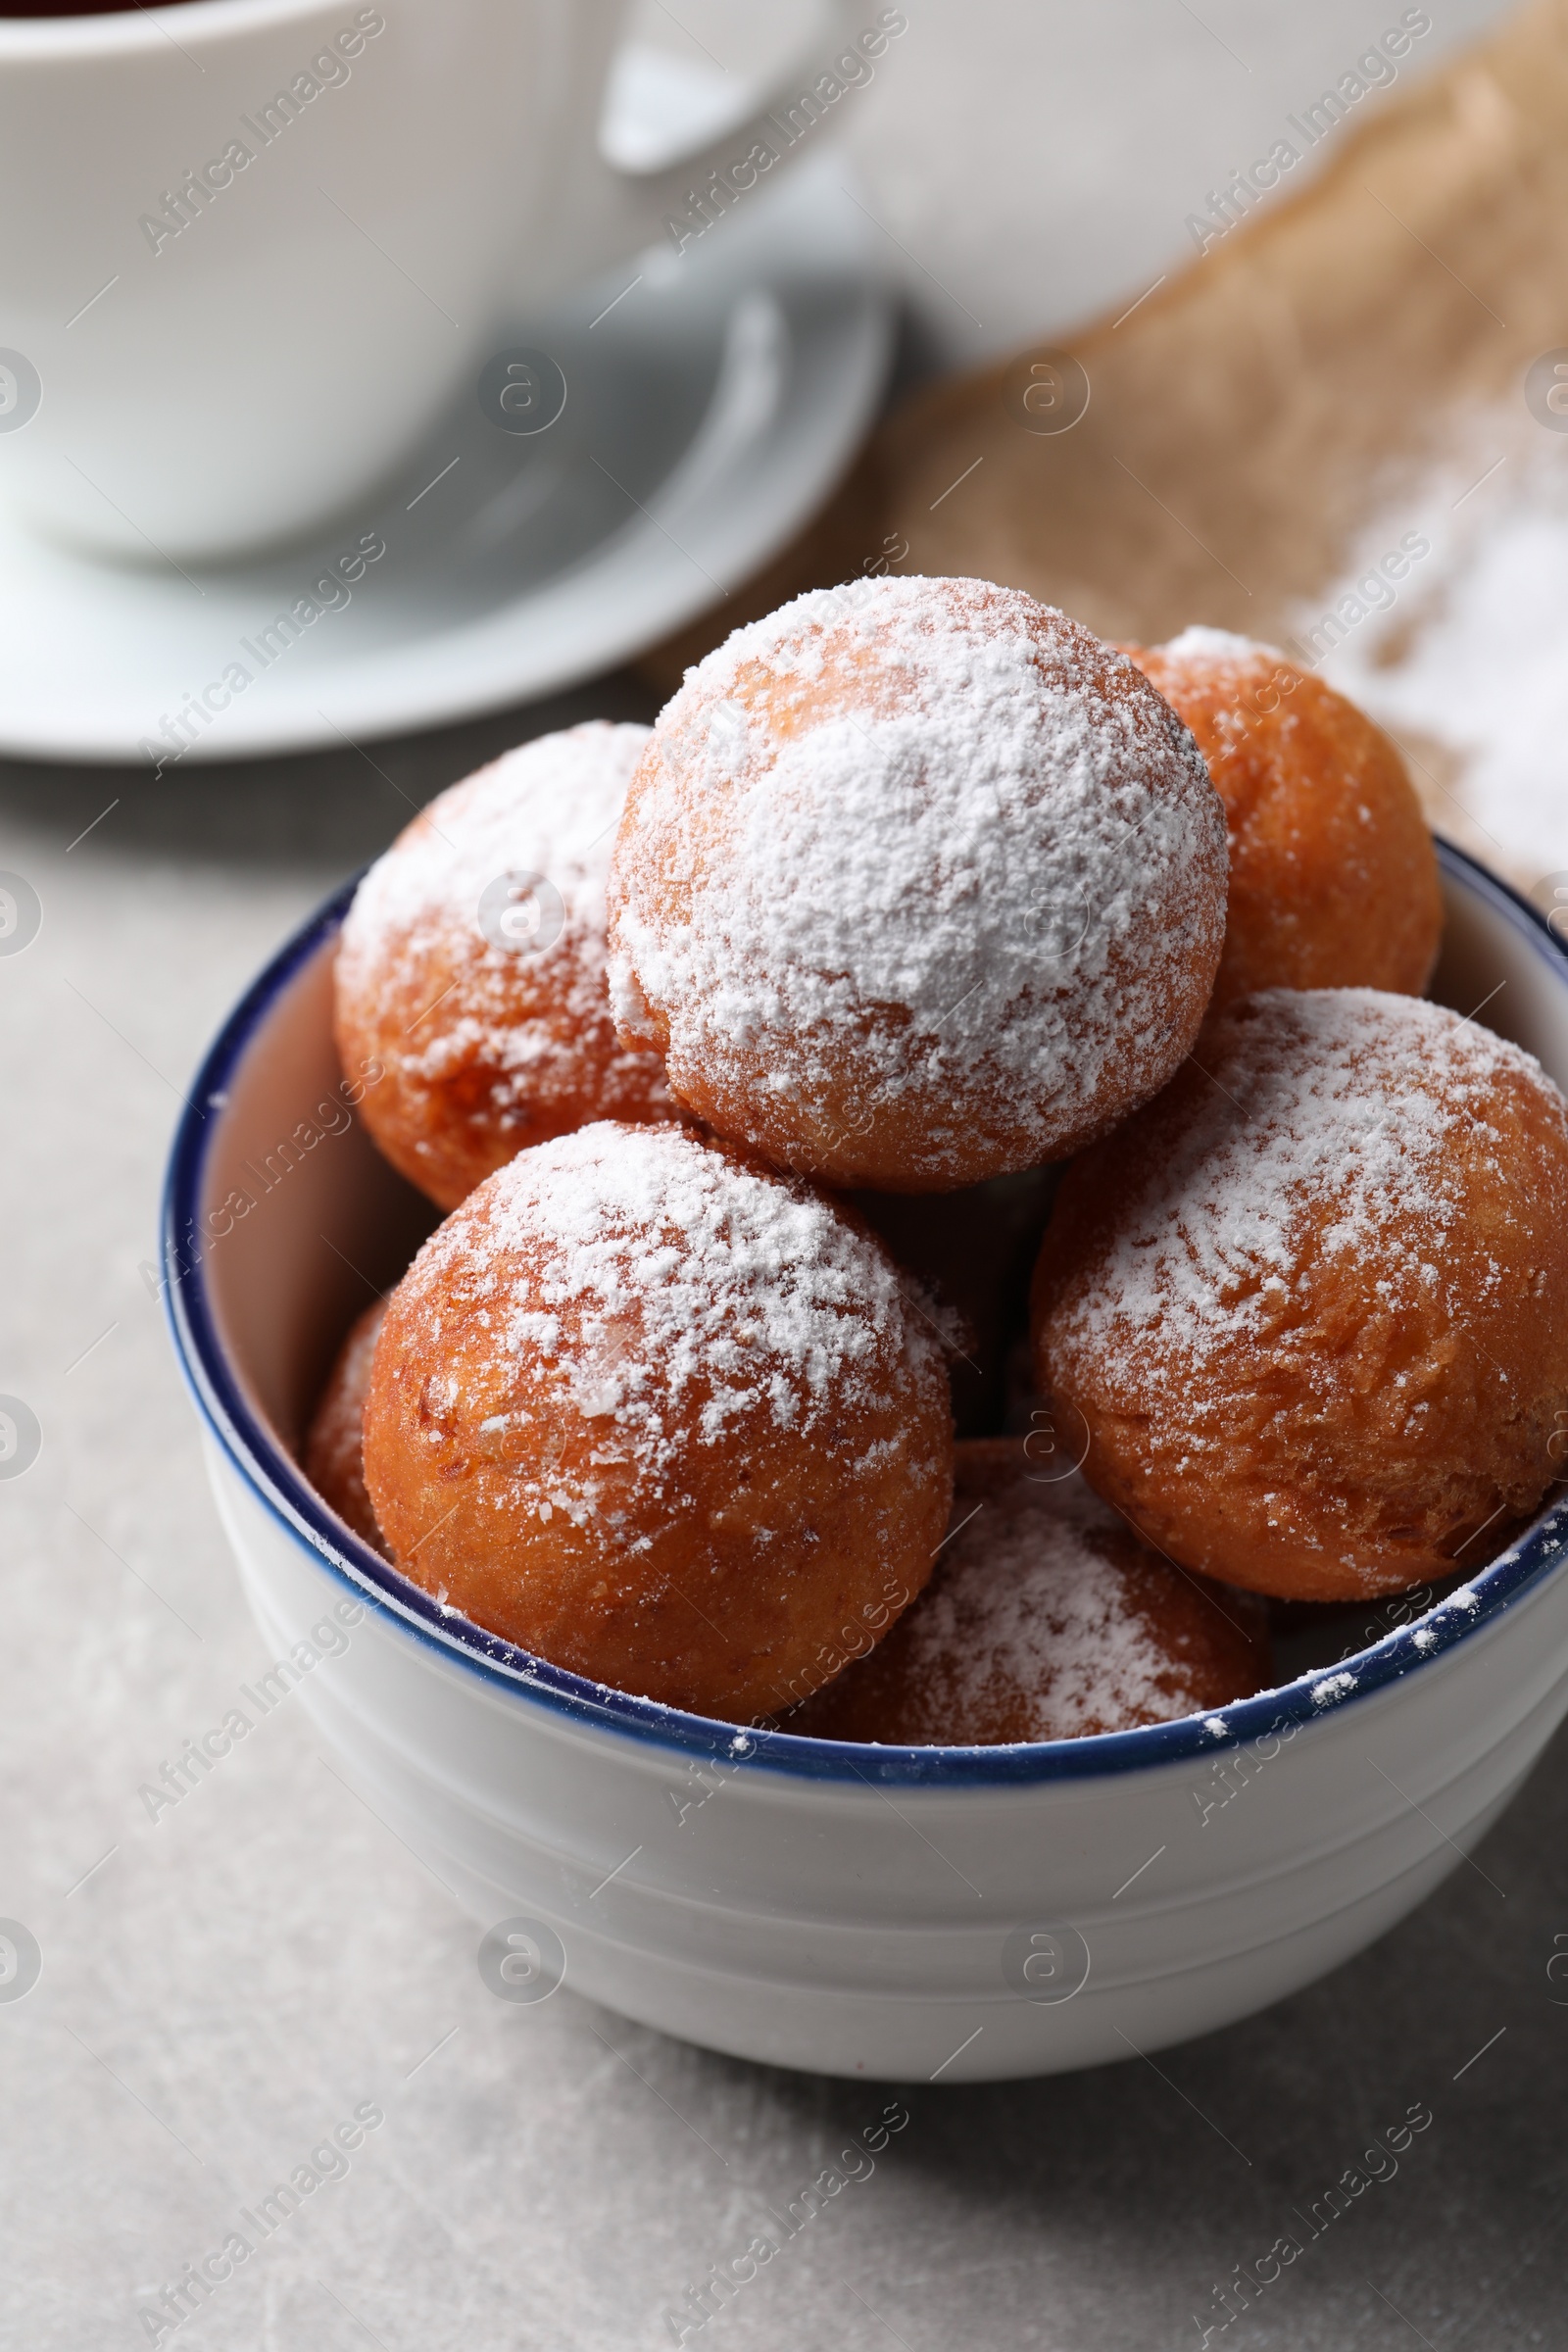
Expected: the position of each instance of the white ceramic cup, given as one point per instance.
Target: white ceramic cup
(251, 247)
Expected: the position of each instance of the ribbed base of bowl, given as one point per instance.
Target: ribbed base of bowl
(957, 1935)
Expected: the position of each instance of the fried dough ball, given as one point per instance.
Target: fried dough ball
(471, 967)
(1045, 1619)
(919, 883)
(658, 1415)
(334, 1460)
(1334, 878)
(1311, 1308)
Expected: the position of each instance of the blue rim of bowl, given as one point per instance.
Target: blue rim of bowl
(280, 1486)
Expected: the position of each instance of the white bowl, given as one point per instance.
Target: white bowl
(946, 1914)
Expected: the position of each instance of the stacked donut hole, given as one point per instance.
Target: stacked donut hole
(955, 1192)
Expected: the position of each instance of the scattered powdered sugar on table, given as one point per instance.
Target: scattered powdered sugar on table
(1337, 1098)
(929, 835)
(1471, 652)
(665, 1287)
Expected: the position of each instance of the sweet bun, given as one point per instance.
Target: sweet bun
(1310, 1307)
(1334, 878)
(919, 883)
(333, 1456)
(471, 967)
(1045, 1619)
(662, 1416)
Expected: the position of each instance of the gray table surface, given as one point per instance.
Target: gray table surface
(222, 1988)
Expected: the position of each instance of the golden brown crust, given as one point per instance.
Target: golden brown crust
(1045, 1619)
(333, 1458)
(1333, 877)
(660, 1416)
(1312, 1304)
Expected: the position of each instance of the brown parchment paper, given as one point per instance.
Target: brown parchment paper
(1244, 420)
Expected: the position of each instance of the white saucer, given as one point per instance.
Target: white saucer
(706, 413)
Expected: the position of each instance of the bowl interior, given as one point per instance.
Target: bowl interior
(301, 1222)
(283, 1221)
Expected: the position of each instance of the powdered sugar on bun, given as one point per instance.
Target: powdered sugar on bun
(1045, 1620)
(754, 1301)
(471, 965)
(661, 1415)
(917, 882)
(1219, 647)
(1314, 1302)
